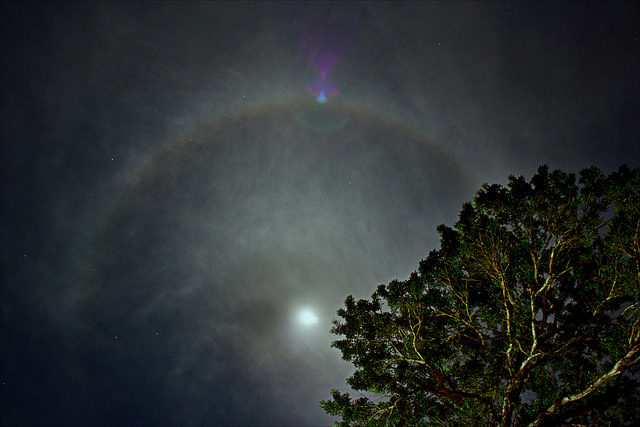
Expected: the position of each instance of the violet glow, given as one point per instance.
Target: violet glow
(326, 31)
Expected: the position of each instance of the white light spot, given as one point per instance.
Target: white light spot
(307, 317)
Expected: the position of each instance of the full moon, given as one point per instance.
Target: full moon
(307, 317)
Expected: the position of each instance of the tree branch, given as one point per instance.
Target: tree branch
(617, 368)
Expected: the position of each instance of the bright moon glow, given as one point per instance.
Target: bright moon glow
(307, 317)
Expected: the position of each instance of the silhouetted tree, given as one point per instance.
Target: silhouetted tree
(528, 314)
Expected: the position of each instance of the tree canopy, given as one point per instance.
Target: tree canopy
(527, 314)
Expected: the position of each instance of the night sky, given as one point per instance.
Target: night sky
(182, 181)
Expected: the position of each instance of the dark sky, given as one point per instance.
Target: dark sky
(173, 197)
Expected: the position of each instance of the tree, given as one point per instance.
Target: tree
(528, 314)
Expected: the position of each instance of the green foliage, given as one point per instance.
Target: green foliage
(527, 314)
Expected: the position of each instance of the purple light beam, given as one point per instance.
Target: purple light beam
(326, 31)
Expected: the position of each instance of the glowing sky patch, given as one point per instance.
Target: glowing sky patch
(278, 205)
(307, 317)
